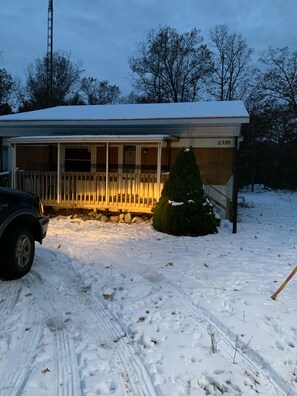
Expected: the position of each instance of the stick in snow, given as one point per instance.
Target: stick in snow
(284, 284)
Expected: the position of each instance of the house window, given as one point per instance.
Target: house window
(77, 160)
(129, 159)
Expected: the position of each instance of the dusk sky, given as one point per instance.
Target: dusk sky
(103, 34)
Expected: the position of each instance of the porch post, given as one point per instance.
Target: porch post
(106, 174)
(13, 166)
(58, 174)
(235, 188)
(1, 154)
(159, 168)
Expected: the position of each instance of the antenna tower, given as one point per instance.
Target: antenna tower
(50, 32)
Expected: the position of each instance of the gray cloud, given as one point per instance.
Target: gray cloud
(103, 33)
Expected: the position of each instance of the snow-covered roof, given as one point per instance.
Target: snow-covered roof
(125, 112)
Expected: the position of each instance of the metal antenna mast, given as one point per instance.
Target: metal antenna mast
(50, 33)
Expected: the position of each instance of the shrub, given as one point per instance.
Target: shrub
(183, 208)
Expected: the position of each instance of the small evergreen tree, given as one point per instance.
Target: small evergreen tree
(183, 208)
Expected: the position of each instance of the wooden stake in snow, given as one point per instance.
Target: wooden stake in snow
(284, 284)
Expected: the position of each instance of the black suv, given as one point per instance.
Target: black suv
(21, 223)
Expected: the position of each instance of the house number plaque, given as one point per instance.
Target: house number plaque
(224, 142)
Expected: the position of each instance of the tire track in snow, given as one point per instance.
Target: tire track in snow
(19, 360)
(139, 379)
(9, 295)
(247, 357)
(66, 362)
(65, 359)
(108, 330)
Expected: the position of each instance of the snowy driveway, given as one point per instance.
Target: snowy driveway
(116, 309)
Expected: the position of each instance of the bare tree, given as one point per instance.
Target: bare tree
(279, 81)
(66, 79)
(7, 87)
(170, 67)
(99, 92)
(232, 59)
(269, 148)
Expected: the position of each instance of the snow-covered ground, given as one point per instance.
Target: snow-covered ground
(117, 309)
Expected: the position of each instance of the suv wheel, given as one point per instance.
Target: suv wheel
(19, 251)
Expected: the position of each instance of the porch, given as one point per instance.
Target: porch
(110, 173)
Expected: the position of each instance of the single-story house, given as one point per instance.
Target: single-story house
(117, 157)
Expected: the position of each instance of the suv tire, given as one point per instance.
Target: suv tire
(19, 251)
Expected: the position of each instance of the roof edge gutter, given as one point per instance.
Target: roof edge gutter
(90, 139)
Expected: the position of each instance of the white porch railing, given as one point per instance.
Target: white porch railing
(222, 203)
(125, 191)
